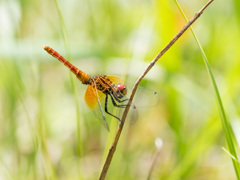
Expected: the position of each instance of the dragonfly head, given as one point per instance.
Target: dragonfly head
(121, 90)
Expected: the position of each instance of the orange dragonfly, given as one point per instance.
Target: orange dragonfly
(98, 88)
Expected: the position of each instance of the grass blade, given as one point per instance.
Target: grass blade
(224, 120)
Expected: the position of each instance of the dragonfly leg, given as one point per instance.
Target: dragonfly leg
(118, 99)
(106, 109)
(115, 104)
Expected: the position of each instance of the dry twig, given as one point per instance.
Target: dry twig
(120, 128)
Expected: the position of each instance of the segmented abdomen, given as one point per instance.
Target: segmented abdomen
(82, 76)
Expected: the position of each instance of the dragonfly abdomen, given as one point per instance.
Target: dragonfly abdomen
(79, 74)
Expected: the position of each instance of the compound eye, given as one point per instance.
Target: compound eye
(122, 88)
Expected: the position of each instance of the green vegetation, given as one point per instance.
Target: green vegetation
(47, 131)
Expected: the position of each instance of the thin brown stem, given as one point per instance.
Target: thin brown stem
(155, 159)
(120, 128)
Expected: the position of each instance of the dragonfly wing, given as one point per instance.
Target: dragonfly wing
(143, 100)
(93, 99)
(132, 116)
(146, 98)
(115, 79)
(92, 96)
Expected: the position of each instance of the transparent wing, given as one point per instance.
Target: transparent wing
(146, 98)
(115, 79)
(143, 101)
(132, 116)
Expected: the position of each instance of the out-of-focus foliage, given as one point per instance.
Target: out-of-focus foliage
(38, 134)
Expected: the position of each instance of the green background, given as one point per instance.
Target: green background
(43, 136)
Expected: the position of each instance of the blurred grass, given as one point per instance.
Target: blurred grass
(73, 83)
(37, 103)
(230, 138)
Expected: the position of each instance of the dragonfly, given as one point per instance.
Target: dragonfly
(99, 87)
